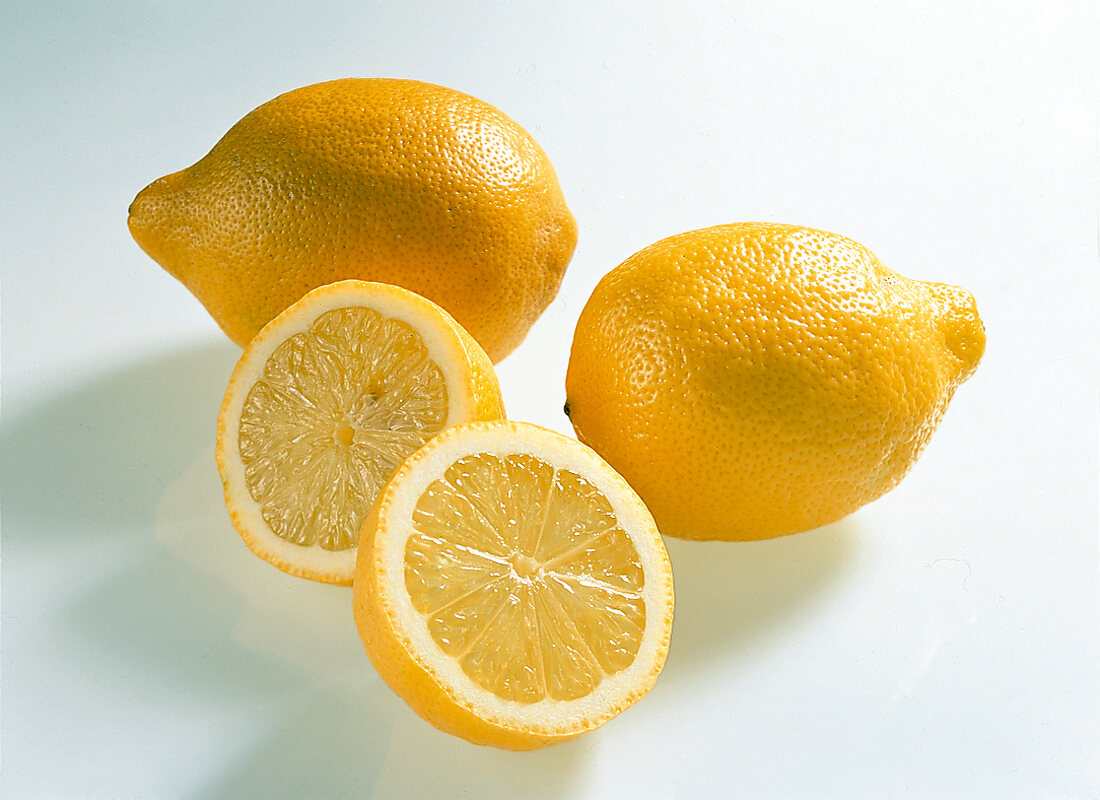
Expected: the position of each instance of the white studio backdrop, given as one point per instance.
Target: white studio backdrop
(940, 643)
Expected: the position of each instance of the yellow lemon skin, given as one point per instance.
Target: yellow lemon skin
(756, 379)
(385, 180)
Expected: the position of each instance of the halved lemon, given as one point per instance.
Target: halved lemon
(512, 588)
(325, 402)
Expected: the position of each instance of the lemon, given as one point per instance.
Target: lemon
(512, 588)
(384, 180)
(757, 379)
(328, 399)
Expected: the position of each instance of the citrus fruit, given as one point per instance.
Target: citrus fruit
(758, 379)
(374, 179)
(326, 401)
(512, 588)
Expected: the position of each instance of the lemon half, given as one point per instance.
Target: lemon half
(326, 401)
(512, 588)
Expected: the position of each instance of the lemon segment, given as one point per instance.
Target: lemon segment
(512, 588)
(342, 404)
(325, 403)
(509, 551)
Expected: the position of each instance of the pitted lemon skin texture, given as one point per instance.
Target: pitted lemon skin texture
(394, 181)
(757, 379)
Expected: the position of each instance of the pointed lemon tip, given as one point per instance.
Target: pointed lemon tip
(148, 212)
(962, 327)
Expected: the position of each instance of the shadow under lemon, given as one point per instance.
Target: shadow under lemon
(95, 457)
(183, 612)
(730, 595)
(125, 462)
(127, 458)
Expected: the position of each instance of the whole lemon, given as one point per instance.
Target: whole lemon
(755, 380)
(393, 181)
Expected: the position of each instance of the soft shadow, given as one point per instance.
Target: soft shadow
(336, 750)
(458, 769)
(339, 732)
(364, 742)
(326, 745)
(731, 594)
(278, 655)
(95, 458)
(182, 611)
(127, 460)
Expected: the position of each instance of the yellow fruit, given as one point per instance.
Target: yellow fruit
(375, 179)
(757, 379)
(326, 401)
(512, 588)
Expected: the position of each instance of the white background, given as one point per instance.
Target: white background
(940, 643)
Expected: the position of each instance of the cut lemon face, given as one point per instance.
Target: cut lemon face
(512, 588)
(328, 399)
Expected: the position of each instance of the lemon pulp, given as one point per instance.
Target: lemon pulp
(525, 578)
(337, 409)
